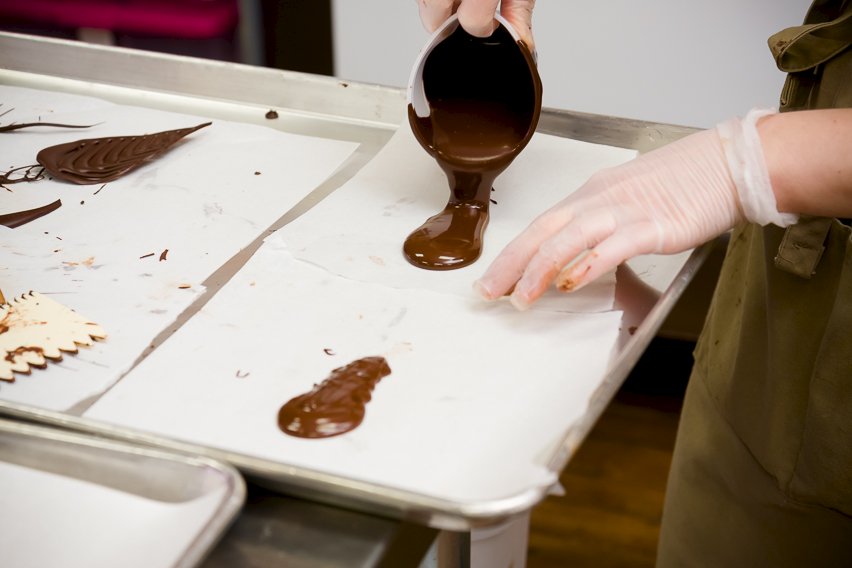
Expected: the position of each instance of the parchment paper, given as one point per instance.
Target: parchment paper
(52, 520)
(99, 254)
(478, 393)
(358, 231)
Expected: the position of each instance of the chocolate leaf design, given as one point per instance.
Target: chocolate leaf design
(99, 160)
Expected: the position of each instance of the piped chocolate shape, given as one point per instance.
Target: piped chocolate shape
(100, 160)
(484, 99)
(338, 404)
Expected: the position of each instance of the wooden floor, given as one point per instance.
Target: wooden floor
(610, 514)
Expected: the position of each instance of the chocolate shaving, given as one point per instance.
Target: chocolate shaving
(271, 114)
(18, 126)
(163, 255)
(150, 254)
(100, 160)
(19, 218)
(14, 126)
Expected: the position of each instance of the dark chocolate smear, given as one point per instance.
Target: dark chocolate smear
(25, 174)
(19, 126)
(337, 405)
(485, 99)
(100, 160)
(19, 218)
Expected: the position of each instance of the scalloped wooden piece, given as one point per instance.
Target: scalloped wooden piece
(35, 329)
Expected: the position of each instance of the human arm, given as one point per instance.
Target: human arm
(809, 158)
(678, 197)
(477, 16)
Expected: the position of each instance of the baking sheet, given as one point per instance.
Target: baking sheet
(471, 382)
(67, 500)
(202, 202)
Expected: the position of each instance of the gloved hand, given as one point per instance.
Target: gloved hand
(666, 201)
(477, 16)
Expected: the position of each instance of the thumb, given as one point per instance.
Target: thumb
(477, 16)
(433, 13)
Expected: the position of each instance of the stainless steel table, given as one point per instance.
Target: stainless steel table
(348, 526)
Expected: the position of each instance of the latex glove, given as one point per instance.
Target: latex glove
(666, 201)
(477, 16)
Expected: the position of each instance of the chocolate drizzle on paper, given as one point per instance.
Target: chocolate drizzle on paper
(33, 172)
(19, 218)
(100, 160)
(19, 126)
(338, 404)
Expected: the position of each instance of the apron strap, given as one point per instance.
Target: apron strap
(802, 246)
(804, 47)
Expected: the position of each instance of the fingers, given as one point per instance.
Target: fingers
(558, 251)
(433, 13)
(510, 264)
(519, 14)
(477, 16)
(627, 242)
(574, 255)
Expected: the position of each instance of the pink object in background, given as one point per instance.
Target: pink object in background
(195, 19)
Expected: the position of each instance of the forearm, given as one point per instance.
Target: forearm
(809, 158)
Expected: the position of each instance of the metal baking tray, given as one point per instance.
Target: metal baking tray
(110, 480)
(647, 288)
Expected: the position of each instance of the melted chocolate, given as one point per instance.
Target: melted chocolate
(337, 405)
(99, 160)
(485, 100)
(19, 126)
(30, 173)
(19, 218)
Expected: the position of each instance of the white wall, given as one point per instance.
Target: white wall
(675, 61)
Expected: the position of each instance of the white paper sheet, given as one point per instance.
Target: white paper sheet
(204, 200)
(52, 520)
(359, 230)
(478, 393)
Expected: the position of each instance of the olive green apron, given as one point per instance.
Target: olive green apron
(762, 470)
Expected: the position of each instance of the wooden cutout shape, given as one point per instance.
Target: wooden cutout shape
(35, 329)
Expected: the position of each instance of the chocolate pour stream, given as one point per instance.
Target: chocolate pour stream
(485, 101)
(337, 405)
(99, 160)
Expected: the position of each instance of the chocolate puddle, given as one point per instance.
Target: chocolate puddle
(485, 100)
(337, 405)
(19, 218)
(99, 160)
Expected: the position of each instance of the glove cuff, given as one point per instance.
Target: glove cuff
(744, 154)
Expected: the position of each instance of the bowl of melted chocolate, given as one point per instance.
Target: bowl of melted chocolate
(474, 104)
